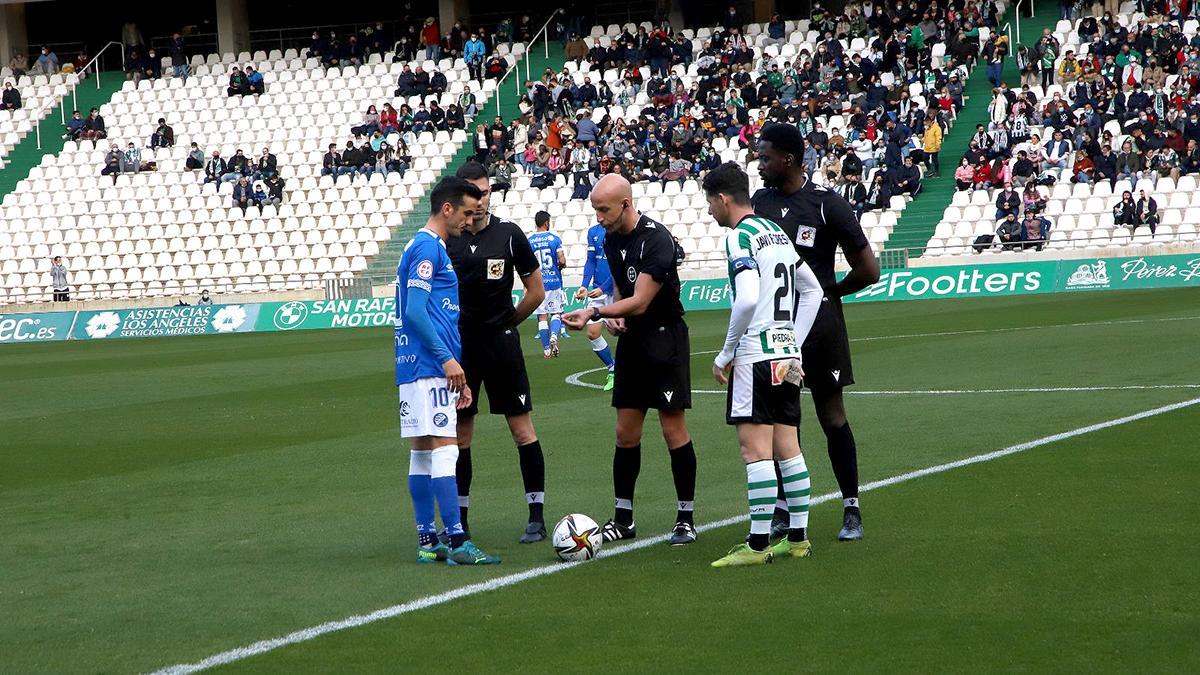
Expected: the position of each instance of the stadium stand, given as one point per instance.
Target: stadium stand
(163, 232)
(1119, 91)
(39, 95)
(773, 47)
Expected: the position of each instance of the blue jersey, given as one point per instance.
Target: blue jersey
(596, 273)
(546, 246)
(426, 334)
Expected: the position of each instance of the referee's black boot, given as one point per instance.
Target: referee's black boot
(852, 529)
(534, 532)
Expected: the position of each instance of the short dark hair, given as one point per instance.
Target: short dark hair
(541, 218)
(471, 171)
(451, 191)
(728, 179)
(784, 138)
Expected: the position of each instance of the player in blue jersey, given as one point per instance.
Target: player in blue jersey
(431, 382)
(597, 287)
(547, 246)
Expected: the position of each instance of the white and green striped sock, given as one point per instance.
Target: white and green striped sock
(796, 488)
(760, 488)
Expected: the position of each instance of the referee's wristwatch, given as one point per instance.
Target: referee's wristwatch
(595, 314)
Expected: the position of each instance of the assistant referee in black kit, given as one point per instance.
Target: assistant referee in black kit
(652, 367)
(485, 258)
(820, 221)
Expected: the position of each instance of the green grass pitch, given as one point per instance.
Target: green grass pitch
(165, 500)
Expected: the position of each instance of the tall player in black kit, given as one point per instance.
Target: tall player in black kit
(819, 221)
(485, 257)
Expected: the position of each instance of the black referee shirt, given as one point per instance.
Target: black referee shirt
(648, 249)
(484, 263)
(818, 220)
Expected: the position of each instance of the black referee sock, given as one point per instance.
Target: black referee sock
(843, 455)
(627, 464)
(462, 475)
(683, 470)
(533, 476)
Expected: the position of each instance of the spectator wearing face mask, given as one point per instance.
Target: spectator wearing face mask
(243, 194)
(114, 163)
(205, 298)
(133, 159)
(47, 63)
(11, 99)
(474, 52)
(215, 169)
(195, 158)
(74, 127)
(93, 127)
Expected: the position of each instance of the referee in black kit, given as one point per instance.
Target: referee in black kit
(651, 368)
(819, 221)
(485, 257)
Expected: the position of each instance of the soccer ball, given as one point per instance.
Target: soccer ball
(577, 538)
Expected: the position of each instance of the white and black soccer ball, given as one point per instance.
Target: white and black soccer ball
(577, 538)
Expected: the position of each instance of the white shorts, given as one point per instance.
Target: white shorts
(427, 408)
(599, 301)
(553, 303)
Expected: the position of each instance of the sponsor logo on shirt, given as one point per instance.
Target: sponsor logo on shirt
(631, 274)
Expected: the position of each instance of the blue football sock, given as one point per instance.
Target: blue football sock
(600, 347)
(445, 488)
(420, 486)
(544, 334)
(555, 325)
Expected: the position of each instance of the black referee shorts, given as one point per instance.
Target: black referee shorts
(493, 358)
(652, 368)
(826, 351)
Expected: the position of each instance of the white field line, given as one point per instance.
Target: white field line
(574, 378)
(497, 583)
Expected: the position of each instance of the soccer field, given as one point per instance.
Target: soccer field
(164, 501)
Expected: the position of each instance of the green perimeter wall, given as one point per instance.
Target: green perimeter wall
(922, 283)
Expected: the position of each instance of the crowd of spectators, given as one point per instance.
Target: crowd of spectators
(374, 155)
(673, 136)
(1125, 107)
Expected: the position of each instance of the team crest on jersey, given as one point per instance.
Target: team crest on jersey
(806, 235)
(631, 273)
(425, 269)
(495, 269)
(441, 420)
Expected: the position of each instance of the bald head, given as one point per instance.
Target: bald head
(612, 198)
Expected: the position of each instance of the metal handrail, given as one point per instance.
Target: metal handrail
(533, 40)
(517, 80)
(74, 98)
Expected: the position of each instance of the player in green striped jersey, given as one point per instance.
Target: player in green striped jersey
(775, 300)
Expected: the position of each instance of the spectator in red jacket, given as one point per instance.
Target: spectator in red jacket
(388, 120)
(431, 39)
